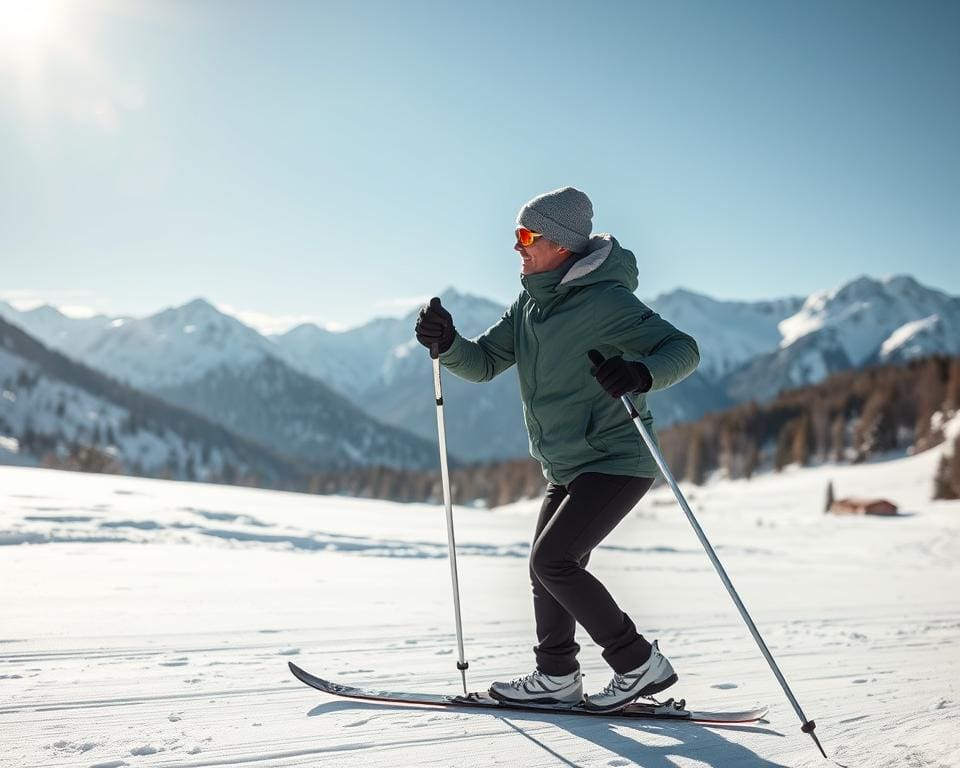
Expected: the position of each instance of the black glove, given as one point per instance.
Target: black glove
(622, 377)
(435, 326)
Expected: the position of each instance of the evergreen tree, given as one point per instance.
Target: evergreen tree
(752, 458)
(946, 483)
(802, 438)
(838, 438)
(728, 451)
(820, 430)
(695, 460)
(930, 395)
(781, 455)
(952, 395)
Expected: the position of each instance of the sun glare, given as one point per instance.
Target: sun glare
(28, 26)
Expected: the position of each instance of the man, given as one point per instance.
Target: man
(578, 295)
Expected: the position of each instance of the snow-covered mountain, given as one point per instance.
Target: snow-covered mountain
(202, 359)
(864, 321)
(895, 317)
(50, 406)
(386, 371)
(729, 333)
(808, 360)
(472, 315)
(176, 346)
(69, 335)
(753, 350)
(295, 414)
(344, 360)
(484, 421)
(931, 335)
(381, 367)
(361, 360)
(749, 350)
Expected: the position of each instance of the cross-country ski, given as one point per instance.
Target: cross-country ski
(669, 710)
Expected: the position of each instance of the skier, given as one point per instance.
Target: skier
(578, 295)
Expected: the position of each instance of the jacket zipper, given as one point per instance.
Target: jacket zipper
(533, 389)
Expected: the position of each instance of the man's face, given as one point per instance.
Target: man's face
(541, 255)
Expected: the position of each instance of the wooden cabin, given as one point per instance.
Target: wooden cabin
(861, 506)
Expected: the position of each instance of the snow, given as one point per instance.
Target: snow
(906, 332)
(149, 623)
(951, 431)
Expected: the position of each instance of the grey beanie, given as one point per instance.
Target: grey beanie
(563, 215)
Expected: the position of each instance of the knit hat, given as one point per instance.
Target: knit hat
(563, 215)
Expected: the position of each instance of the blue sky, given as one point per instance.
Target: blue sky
(338, 161)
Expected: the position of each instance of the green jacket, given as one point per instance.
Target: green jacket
(573, 424)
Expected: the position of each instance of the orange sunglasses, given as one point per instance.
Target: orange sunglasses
(526, 236)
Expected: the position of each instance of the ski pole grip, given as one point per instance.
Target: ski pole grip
(595, 357)
(435, 347)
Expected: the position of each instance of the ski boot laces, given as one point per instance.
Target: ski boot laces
(617, 683)
(519, 682)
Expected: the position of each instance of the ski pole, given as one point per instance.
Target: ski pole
(807, 726)
(462, 665)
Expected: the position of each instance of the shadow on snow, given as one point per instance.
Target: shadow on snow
(621, 737)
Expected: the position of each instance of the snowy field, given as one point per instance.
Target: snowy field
(149, 623)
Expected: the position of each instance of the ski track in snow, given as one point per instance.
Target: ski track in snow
(149, 623)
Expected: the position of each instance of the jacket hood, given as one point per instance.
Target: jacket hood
(604, 261)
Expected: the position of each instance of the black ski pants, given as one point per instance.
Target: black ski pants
(573, 520)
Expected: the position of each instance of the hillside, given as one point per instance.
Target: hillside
(56, 411)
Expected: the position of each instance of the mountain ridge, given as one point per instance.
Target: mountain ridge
(749, 350)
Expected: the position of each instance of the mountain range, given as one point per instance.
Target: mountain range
(365, 396)
(51, 406)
